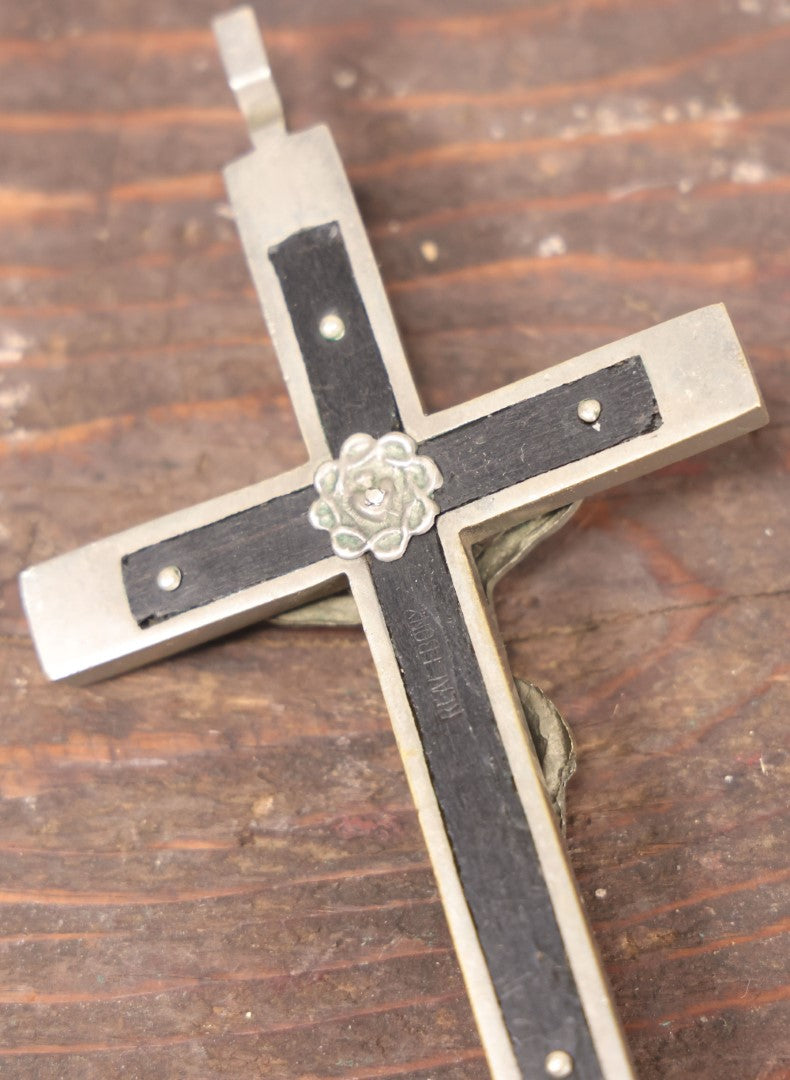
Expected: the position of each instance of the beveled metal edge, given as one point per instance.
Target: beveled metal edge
(79, 613)
(585, 963)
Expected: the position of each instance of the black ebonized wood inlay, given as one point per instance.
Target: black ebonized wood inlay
(225, 557)
(483, 815)
(484, 456)
(349, 381)
(542, 433)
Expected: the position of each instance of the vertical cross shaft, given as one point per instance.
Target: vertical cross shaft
(506, 929)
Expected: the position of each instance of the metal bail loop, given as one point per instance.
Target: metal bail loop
(247, 68)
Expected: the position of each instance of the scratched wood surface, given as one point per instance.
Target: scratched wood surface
(211, 868)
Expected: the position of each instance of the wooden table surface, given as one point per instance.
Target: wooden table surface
(211, 867)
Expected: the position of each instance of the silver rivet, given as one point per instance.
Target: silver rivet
(559, 1063)
(169, 578)
(332, 327)
(589, 410)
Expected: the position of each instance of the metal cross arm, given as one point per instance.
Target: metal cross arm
(391, 501)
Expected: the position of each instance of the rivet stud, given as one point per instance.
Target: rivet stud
(589, 410)
(331, 327)
(559, 1064)
(169, 578)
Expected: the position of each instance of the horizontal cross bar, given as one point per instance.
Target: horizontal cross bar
(534, 436)
(78, 604)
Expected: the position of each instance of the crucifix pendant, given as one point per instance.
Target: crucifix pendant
(390, 503)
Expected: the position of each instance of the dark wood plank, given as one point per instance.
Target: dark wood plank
(229, 832)
(543, 433)
(347, 377)
(224, 557)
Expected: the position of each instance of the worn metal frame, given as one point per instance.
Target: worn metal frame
(77, 605)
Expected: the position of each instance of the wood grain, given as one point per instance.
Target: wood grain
(224, 557)
(211, 867)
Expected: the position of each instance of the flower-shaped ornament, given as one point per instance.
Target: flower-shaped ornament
(376, 496)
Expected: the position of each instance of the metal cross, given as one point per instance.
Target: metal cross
(390, 502)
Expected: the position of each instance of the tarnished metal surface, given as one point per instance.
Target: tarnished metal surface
(705, 393)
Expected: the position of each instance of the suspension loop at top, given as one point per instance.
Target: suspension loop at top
(248, 72)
